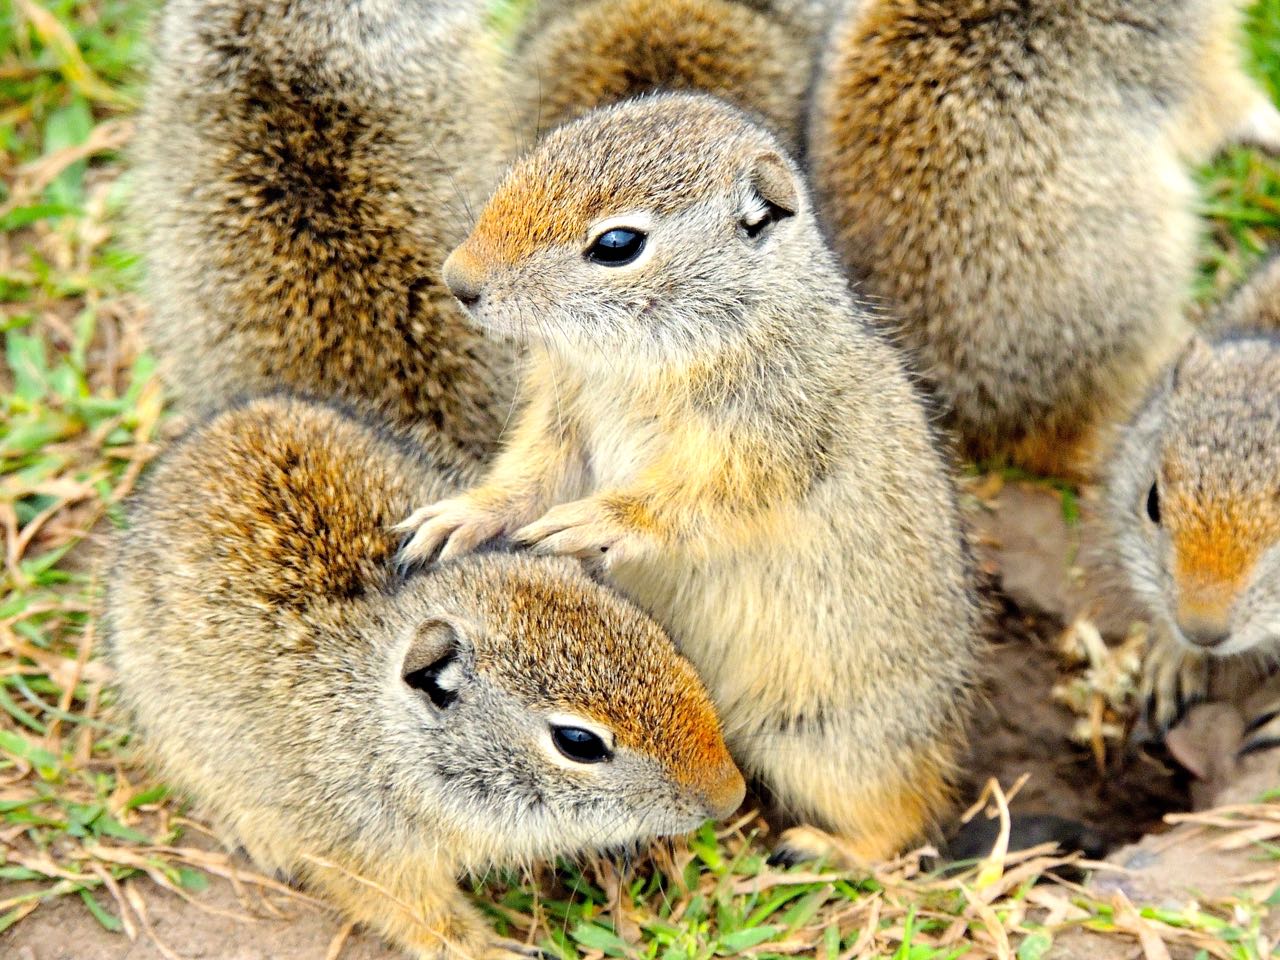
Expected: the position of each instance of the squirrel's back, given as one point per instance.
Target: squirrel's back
(1012, 180)
(302, 172)
(1255, 305)
(759, 56)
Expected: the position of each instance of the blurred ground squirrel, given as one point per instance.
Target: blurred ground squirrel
(1192, 505)
(1013, 180)
(303, 170)
(709, 415)
(371, 736)
(580, 54)
(1255, 305)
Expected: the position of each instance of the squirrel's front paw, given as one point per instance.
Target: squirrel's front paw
(1174, 679)
(461, 524)
(809, 844)
(588, 529)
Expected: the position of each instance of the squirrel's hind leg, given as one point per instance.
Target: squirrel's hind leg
(850, 822)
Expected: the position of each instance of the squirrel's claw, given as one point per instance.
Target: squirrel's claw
(1262, 733)
(584, 529)
(809, 844)
(1174, 680)
(515, 950)
(454, 527)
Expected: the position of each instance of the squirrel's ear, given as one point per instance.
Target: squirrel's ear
(774, 195)
(440, 660)
(1196, 352)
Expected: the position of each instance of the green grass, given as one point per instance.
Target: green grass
(1241, 189)
(82, 415)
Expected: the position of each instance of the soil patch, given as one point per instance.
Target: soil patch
(1020, 728)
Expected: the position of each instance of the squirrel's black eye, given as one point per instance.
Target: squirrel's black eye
(616, 247)
(1153, 504)
(580, 746)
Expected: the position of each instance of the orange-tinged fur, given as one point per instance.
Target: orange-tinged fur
(1215, 555)
(1063, 450)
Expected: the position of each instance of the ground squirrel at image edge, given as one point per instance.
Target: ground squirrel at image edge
(1191, 511)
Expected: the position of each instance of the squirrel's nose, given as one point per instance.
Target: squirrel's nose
(1206, 635)
(464, 281)
(725, 794)
(1205, 621)
(465, 293)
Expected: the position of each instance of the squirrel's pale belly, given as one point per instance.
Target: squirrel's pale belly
(617, 446)
(767, 629)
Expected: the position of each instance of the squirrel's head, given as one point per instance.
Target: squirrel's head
(1194, 496)
(656, 226)
(544, 715)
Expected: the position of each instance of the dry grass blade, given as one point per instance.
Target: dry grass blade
(339, 941)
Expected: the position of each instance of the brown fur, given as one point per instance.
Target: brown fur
(599, 52)
(1011, 180)
(302, 173)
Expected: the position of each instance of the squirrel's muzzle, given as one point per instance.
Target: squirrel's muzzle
(724, 791)
(464, 278)
(1204, 616)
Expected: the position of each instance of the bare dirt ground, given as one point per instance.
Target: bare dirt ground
(1032, 555)
(219, 929)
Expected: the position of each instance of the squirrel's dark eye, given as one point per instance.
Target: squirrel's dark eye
(1153, 504)
(580, 746)
(426, 680)
(616, 247)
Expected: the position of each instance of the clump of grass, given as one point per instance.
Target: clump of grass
(1241, 189)
(715, 897)
(81, 410)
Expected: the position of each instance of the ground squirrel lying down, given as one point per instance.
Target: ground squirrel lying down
(1013, 181)
(1192, 505)
(302, 170)
(710, 415)
(374, 736)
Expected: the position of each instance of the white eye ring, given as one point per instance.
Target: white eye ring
(553, 752)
